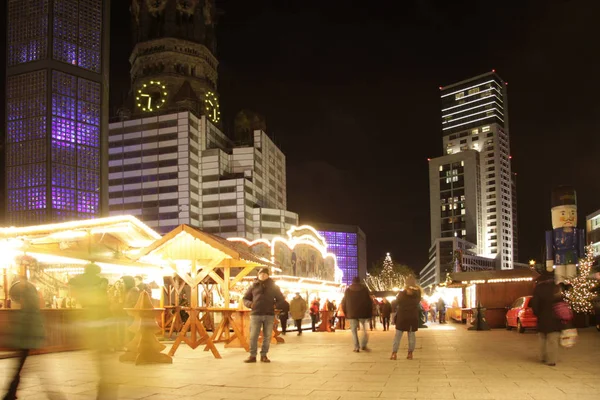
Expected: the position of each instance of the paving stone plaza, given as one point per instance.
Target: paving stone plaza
(450, 363)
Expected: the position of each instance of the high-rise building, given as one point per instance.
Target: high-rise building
(56, 110)
(177, 169)
(349, 244)
(170, 163)
(474, 116)
(592, 228)
(475, 119)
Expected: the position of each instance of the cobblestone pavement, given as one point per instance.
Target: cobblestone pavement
(449, 363)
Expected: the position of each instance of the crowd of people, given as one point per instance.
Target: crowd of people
(408, 312)
(105, 309)
(358, 306)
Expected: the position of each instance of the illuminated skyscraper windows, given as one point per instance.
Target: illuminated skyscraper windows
(55, 116)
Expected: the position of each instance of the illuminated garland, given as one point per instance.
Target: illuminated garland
(580, 293)
(313, 239)
(387, 279)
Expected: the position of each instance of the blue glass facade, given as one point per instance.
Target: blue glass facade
(54, 117)
(28, 39)
(345, 246)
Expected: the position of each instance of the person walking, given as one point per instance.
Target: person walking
(374, 313)
(314, 314)
(425, 307)
(262, 297)
(432, 311)
(441, 307)
(407, 317)
(545, 295)
(341, 317)
(26, 330)
(90, 290)
(358, 308)
(297, 311)
(386, 312)
(394, 309)
(283, 317)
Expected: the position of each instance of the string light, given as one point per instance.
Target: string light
(388, 279)
(313, 239)
(581, 291)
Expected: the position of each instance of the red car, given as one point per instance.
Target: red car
(520, 315)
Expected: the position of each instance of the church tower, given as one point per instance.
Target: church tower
(169, 162)
(173, 66)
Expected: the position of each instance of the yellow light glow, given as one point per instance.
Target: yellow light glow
(68, 270)
(53, 259)
(80, 224)
(68, 234)
(291, 242)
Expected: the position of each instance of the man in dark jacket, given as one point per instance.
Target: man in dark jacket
(262, 297)
(357, 306)
(545, 295)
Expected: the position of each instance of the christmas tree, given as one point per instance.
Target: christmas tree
(388, 277)
(580, 293)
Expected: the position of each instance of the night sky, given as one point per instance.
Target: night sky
(350, 93)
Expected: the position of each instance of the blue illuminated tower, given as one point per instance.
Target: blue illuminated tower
(56, 110)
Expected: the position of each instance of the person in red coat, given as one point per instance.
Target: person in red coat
(407, 317)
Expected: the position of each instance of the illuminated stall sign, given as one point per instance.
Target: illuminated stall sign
(302, 254)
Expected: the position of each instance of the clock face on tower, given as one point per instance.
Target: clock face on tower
(211, 106)
(151, 96)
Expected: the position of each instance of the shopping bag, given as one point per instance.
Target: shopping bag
(568, 337)
(563, 311)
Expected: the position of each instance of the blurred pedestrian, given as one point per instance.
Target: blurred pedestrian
(441, 307)
(386, 312)
(297, 311)
(433, 311)
(27, 330)
(374, 313)
(407, 317)
(262, 297)
(341, 316)
(314, 314)
(283, 317)
(358, 308)
(90, 291)
(425, 307)
(545, 295)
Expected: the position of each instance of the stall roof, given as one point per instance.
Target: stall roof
(110, 239)
(210, 243)
(506, 275)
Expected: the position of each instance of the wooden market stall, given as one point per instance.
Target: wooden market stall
(196, 256)
(52, 254)
(495, 290)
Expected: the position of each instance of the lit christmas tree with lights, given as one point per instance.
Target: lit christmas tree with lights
(388, 279)
(580, 293)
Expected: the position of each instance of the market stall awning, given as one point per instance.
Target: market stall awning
(104, 240)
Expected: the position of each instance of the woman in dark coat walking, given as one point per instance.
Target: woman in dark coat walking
(407, 317)
(545, 295)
